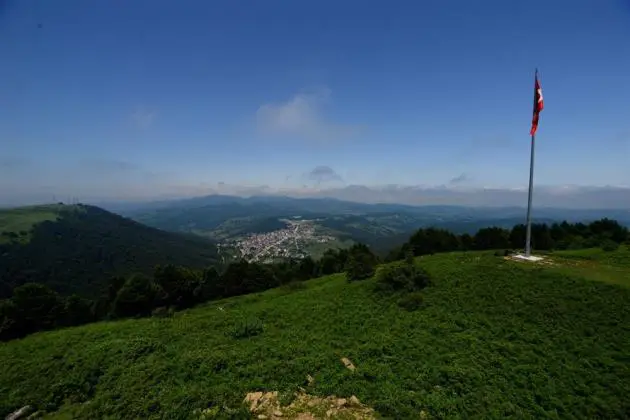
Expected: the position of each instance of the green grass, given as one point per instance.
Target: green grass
(23, 219)
(492, 339)
(317, 249)
(594, 264)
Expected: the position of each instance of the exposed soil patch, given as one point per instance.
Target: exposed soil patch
(307, 407)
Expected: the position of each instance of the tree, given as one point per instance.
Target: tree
(518, 236)
(38, 307)
(466, 242)
(209, 288)
(136, 297)
(492, 238)
(608, 229)
(541, 237)
(78, 310)
(176, 285)
(361, 263)
(331, 262)
(359, 267)
(10, 326)
(306, 269)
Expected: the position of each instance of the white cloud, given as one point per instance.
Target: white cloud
(572, 197)
(302, 117)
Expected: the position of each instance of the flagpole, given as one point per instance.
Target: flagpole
(528, 237)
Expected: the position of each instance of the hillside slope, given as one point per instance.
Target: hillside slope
(74, 249)
(493, 339)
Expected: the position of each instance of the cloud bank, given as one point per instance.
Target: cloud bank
(572, 197)
(302, 117)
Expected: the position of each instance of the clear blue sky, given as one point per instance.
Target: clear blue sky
(116, 97)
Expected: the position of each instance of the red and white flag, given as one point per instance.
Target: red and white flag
(538, 104)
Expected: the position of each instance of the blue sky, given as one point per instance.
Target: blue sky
(148, 98)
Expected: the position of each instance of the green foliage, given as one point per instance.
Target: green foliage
(246, 329)
(136, 297)
(404, 276)
(78, 310)
(411, 302)
(179, 287)
(361, 263)
(609, 245)
(493, 339)
(37, 307)
(81, 247)
(9, 320)
(557, 236)
(16, 224)
(294, 286)
(163, 312)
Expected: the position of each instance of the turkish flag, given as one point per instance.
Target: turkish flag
(538, 104)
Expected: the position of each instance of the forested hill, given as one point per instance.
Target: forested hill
(77, 248)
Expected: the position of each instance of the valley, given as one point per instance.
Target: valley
(295, 241)
(246, 227)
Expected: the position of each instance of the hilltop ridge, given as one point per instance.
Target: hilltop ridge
(77, 248)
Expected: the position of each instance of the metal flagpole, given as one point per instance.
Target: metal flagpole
(528, 236)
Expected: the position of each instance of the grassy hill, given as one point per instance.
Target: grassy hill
(75, 248)
(493, 338)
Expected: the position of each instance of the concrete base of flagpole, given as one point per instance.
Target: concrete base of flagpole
(531, 258)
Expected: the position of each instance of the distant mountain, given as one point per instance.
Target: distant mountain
(330, 206)
(77, 248)
(381, 226)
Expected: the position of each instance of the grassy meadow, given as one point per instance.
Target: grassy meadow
(493, 339)
(23, 219)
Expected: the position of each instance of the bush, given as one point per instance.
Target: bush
(402, 276)
(135, 297)
(246, 329)
(411, 302)
(609, 245)
(360, 267)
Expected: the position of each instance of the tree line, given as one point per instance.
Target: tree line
(34, 307)
(605, 233)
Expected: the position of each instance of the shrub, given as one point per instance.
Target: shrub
(359, 267)
(135, 297)
(402, 276)
(411, 302)
(246, 329)
(609, 245)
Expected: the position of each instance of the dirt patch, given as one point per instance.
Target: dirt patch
(307, 407)
(347, 363)
(544, 261)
